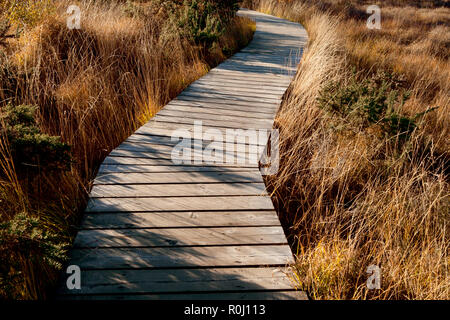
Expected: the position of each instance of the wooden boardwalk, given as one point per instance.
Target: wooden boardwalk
(154, 229)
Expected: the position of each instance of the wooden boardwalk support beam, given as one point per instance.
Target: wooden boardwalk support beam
(157, 229)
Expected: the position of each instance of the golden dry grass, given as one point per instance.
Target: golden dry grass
(347, 197)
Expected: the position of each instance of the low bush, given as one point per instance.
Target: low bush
(374, 101)
(30, 149)
(204, 21)
(24, 241)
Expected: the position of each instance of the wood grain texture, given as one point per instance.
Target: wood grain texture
(202, 203)
(176, 237)
(178, 219)
(184, 280)
(178, 190)
(180, 257)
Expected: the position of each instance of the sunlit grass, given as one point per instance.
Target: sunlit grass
(350, 196)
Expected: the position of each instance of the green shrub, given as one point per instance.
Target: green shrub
(370, 101)
(205, 20)
(29, 147)
(22, 240)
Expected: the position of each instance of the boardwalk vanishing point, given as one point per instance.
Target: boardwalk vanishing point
(157, 230)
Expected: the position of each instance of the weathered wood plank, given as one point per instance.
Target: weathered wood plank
(179, 257)
(228, 99)
(217, 116)
(196, 157)
(243, 104)
(179, 204)
(180, 190)
(205, 110)
(254, 89)
(161, 161)
(243, 123)
(255, 70)
(176, 280)
(219, 105)
(230, 95)
(166, 144)
(177, 129)
(179, 219)
(159, 148)
(241, 295)
(110, 168)
(262, 77)
(193, 156)
(254, 124)
(217, 124)
(179, 237)
(179, 177)
(159, 139)
(230, 79)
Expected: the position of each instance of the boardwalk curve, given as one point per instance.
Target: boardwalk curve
(158, 230)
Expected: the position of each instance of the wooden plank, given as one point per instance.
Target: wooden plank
(271, 61)
(252, 75)
(174, 129)
(204, 109)
(176, 280)
(265, 86)
(280, 79)
(180, 190)
(257, 70)
(179, 219)
(258, 67)
(254, 124)
(163, 149)
(229, 98)
(242, 104)
(200, 115)
(197, 157)
(179, 257)
(214, 114)
(163, 137)
(221, 125)
(238, 87)
(178, 177)
(111, 160)
(231, 93)
(110, 168)
(179, 204)
(219, 105)
(194, 157)
(179, 237)
(229, 296)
